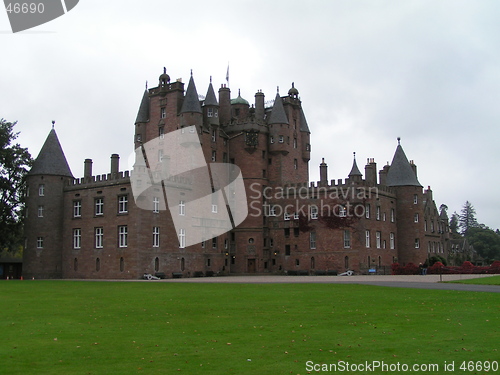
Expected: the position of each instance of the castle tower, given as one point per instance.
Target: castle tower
(142, 120)
(210, 108)
(355, 176)
(410, 209)
(44, 224)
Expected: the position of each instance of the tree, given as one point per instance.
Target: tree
(467, 218)
(15, 162)
(485, 241)
(454, 223)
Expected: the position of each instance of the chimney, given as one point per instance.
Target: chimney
(115, 164)
(225, 105)
(323, 172)
(259, 105)
(414, 167)
(87, 169)
(383, 174)
(371, 172)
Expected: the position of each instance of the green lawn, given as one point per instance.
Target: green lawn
(493, 280)
(75, 327)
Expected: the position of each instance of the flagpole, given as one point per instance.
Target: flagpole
(227, 74)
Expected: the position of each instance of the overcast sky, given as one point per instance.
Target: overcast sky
(367, 72)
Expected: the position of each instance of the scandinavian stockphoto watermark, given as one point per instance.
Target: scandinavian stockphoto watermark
(204, 200)
(24, 15)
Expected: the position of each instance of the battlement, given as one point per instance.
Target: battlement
(120, 177)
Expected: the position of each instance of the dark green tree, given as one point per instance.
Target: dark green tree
(454, 223)
(467, 218)
(485, 241)
(15, 162)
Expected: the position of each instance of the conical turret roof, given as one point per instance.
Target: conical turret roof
(355, 170)
(143, 114)
(400, 172)
(278, 115)
(303, 122)
(51, 159)
(191, 102)
(210, 99)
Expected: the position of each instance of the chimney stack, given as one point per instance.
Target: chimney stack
(323, 172)
(115, 164)
(259, 105)
(87, 169)
(371, 171)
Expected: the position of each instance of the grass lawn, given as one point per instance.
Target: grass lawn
(493, 280)
(75, 327)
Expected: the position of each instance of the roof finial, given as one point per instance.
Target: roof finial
(399, 141)
(146, 84)
(278, 89)
(210, 79)
(354, 153)
(53, 123)
(239, 92)
(191, 72)
(164, 70)
(293, 84)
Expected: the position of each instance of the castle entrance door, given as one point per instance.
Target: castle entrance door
(251, 266)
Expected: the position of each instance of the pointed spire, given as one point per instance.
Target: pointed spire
(143, 113)
(355, 170)
(210, 98)
(191, 102)
(51, 159)
(278, 115)
(400, 172)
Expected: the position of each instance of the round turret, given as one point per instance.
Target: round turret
(293, 92)
(164, 78)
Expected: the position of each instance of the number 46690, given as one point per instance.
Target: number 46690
(24, 8)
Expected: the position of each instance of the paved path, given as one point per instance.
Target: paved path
(399, 281)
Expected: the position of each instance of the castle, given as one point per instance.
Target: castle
(92, 227)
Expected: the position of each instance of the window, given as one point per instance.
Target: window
(346, 262)
(296, 216)
(378, 212)
(272, 211)
(347, 239)
(163, 112)
(99, 206)
(156, 236)
(160, 156)
(99, 237)
(123, 204)
(297, 262)
(122, 236)
(182, 238)
(415, 199)
(281, 139)
(286, 216)
(295, 164)
(432, 226)
(41, 190)
(312, 240)
(97, 264)
(77, 238)
(77, 208)
(40, 211)
(367, 238)
(214, 208)
(287, 232)
(296, 232)
(156, 205)
(214, 243)
(392, 215)
(39, 242)
(415, 218)
(308, 147)
(314, 212)
(342, 211)
(417, 243)
(157, 264)
(391, 241)
(182, 208)
(295, 143)
(214, 155)
(271, 139)
(210, 112)
(367, 211)
(214, 135)
(161, 132)
(378, 237)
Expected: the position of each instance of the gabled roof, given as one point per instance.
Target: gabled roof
(355, 170)
(191, 102)
(210, 99)
(51, 159)
(303, 122)
(278, 115)
(143, 114)
(400, 172)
